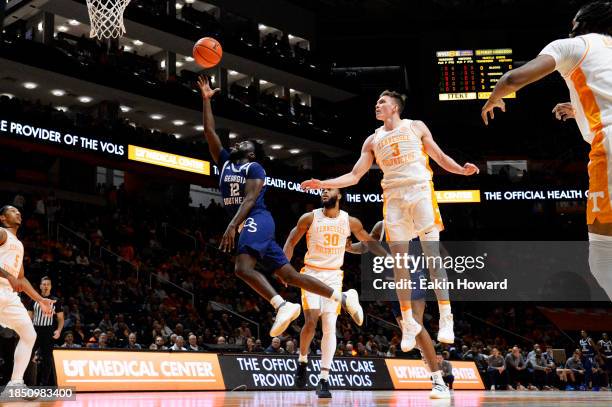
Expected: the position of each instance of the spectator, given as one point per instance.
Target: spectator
(496, 372)
(153, 347)
(447, 370)
(250, 345)
(173, 339)
(132, 342)
(221, 340)
(106, 322)
(349, 351)
(69, 341)
(391, 353)
(258, 347)
(178, 345)
(102, 342)
(517, 369)
(290, 348)
(275, 346)
(82, 259)
(160, 343)
(193, 344)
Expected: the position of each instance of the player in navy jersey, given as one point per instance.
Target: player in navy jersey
(242, 185)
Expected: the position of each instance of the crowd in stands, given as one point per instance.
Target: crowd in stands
(132, 289)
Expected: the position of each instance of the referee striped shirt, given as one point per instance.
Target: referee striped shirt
(39, 318)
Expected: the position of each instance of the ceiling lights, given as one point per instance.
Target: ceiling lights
(30, 85)
(85, 99)
(156, 116)
(58, 92)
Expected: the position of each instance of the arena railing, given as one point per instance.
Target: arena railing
(75, 234)
(178, 287)
(220, 306)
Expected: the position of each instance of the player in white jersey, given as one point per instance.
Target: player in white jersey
(12, 312)
(402, 149)
(327, 230)
(585, 62)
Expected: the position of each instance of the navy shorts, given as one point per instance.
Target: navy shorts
(257, 239)
(416, 294)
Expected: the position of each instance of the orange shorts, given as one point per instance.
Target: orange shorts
(600, 175)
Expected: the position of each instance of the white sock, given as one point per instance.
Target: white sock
(436, 377)
(303, 358)
(337, 296)
(328, 342)
(277, 301)
(324, 375)
(407, 315)
(445, 309)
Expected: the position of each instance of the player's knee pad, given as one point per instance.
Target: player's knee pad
(329, 322)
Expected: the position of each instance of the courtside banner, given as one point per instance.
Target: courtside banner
(408, 374)
(99, 370)
(268, 372)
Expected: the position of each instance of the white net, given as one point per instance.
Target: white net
(106, 18)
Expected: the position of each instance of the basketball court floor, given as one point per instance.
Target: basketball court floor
(340, 398)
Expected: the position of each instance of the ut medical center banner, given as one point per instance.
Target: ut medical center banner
(116, 370)
(412, 375)
(102, 370)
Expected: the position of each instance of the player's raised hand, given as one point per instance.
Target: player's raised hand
(311, 184)
(205, 89)
(470, 169)
(489, 109)
(564, 111)
(46, 306)
(228, 239)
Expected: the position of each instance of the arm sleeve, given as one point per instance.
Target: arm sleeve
(256, 171)
(223, 157)
(567, 53)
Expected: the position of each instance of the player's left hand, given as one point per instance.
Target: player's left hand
(56, 334)
(311, 184)
(489, 108)
(228, 239)
(470, 169)
(46, 305)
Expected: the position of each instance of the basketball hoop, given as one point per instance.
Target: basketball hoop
(106, 18)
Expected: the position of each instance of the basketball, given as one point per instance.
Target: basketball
(207, 52)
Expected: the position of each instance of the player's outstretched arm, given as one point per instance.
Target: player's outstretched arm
(252, 189)
(214, 142)
(360, 248)
(435, 152)
(297, 233)
(372, 245)
(366, 159)
(514, 80)
(564, 111)
(46, 304)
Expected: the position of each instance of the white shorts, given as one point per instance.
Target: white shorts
(12, 312)
(332, 278)
(410, 211)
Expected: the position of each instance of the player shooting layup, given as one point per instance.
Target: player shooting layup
(242, 185)
(327, 230)
(585, 62)
(12, 312)
(402, 149)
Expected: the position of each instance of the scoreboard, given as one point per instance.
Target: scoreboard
(471, 74)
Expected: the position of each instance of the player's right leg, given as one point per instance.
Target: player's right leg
(286, 311)
(439, 388)
(15, 316)
(311, 318)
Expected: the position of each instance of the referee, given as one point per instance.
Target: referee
(46, 332)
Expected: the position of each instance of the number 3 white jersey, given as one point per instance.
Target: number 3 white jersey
(326, 241)
(401, 156)
(11, 257)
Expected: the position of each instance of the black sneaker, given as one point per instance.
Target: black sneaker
(323, 389)
(301, 375)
